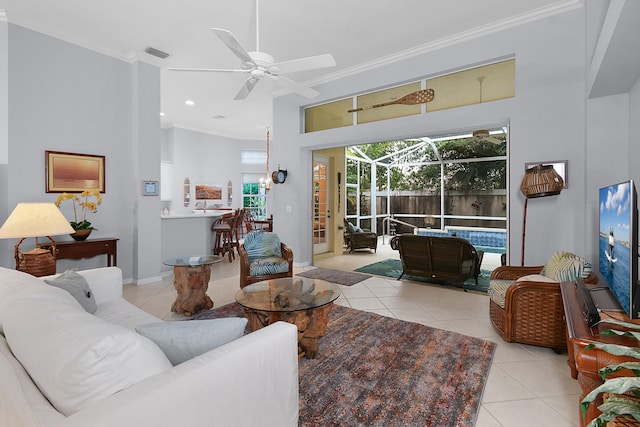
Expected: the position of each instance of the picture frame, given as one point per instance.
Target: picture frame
(560, 166)
(150, 188)
(74, 172)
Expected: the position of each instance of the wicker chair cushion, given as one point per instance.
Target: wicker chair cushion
(267, 266)
(498, 290)
(260, 244)
(566, 267)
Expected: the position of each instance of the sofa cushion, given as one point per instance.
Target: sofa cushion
(77, 286)
(267, 266)
(76, 358)
(566, 267)
(184, 340)
(497, 290)
(16, 285)
(21, 403)
(260, 244)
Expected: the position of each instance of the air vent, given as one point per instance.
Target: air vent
(155, 52)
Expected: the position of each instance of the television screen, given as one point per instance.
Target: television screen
(617, 246)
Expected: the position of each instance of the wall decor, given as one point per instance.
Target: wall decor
(150, 188)
(74, 172)
(560, 166)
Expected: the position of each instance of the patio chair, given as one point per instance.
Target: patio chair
(357, 238)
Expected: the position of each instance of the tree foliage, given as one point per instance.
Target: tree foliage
(419, 170)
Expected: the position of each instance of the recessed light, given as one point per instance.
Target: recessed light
(219, 117)
(189, 102)
(161, 114)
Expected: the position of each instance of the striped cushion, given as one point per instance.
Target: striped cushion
(498, 290)
(566, 267)
(267, 266)
(260, 244)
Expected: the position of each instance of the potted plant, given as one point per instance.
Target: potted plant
(83, 227)
(621, 406)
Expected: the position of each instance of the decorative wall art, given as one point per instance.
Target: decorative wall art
(74, 172)
(150, 188)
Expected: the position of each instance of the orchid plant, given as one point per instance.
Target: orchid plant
(85, 206)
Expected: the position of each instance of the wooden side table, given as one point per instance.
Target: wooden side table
(86, 249)
(191, 280)
(584, 364)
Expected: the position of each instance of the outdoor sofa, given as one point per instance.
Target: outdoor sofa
(442, 259)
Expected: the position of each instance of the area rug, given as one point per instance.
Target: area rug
(378, 371)
(336, 276)
(393, 268)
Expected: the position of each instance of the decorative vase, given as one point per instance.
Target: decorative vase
(81, 235)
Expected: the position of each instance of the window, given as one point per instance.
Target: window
(254, 194)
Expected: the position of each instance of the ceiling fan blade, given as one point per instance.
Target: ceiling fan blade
(233, 44)
(493, 140)
(308, 63)
(211, 70)
(246, 89)
(296, 87)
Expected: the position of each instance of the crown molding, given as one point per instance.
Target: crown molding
(511, 22)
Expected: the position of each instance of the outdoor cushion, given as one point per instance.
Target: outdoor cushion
(267, 266)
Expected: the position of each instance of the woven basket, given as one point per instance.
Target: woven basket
(541, 181)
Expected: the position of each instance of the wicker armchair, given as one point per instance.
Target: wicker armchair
(533, 312)
(363, 239)
(245, 266)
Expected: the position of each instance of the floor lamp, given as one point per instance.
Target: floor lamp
(35, 220)
(538, 181)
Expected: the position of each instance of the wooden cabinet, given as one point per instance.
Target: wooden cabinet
(88, 249)
(584, 364)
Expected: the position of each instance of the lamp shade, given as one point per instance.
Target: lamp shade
(541, 181)
(34, 220)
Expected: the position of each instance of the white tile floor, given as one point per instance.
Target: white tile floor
(527, 385)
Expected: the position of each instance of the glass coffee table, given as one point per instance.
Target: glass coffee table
(191, 280)
(302, 301)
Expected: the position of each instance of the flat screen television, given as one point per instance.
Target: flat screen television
(618, 244)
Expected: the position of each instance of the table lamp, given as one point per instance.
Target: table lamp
(538, 181)
(34, 220)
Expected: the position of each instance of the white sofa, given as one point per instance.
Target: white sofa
(250, 381)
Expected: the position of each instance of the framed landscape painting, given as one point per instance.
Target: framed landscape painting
(73, 172)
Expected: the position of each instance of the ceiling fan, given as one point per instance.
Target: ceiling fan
(257, 65)
(484, 135)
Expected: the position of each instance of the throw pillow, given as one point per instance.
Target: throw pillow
(536, 278)
(78, 287)
(75, 358)
(566, 267)
(352, 228)
(262, 244)
(183, 340)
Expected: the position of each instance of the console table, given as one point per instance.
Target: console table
(87, 249)
(584, 365)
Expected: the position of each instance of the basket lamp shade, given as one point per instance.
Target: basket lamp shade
(538, 181)
(35, 220)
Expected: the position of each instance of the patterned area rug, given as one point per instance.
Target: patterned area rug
(377, 371)
(336, 276)
(393, 268)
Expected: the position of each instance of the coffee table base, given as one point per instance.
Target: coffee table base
(311, 325)
(191, 284)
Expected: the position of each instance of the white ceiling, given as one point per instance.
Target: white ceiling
(358, 33)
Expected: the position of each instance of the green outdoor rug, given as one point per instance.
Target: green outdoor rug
(393, 268)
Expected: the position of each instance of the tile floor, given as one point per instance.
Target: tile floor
(527, 385)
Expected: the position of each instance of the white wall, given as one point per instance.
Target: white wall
(66, 98)
(204, 159)
(547, 118)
